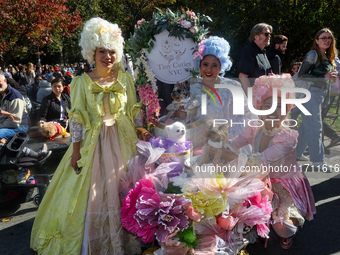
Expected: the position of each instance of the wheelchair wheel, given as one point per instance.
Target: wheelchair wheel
(36, 200)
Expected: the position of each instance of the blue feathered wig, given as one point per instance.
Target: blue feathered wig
(217, 47)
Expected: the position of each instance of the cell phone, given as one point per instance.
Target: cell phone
(78, 170)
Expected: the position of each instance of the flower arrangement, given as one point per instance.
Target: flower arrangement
(202, 213)
(181, 24)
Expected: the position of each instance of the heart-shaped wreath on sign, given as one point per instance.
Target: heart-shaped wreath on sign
(181, 24)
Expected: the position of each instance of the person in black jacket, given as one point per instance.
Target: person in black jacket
(276, 52)
(54, 106)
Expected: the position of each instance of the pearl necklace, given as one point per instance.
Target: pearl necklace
(272, 132)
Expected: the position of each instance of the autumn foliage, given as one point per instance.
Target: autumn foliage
(34, 22)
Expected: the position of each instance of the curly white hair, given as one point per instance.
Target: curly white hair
(99, 33)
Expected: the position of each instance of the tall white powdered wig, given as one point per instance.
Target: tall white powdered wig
(99, 33)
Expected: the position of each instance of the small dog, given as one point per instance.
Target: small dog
(216, 137)
(52, 130)
(176, 132)
(181, 98)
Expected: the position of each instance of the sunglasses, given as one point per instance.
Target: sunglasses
(325, 38)
(266, 34)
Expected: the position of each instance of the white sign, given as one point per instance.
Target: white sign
(170, 57)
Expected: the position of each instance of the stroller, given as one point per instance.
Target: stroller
(17, 183)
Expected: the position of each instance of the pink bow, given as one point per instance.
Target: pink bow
(199, 52)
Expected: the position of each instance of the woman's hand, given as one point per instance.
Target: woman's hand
(180, 114)
(331, 75)
(75, 156)
(8, 114)
(228, 155)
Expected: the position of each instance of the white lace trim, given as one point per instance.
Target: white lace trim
(77, 132)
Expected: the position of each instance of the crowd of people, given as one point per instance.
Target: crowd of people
(80, 212)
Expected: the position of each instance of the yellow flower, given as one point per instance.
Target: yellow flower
(103, 29)
(207, 205)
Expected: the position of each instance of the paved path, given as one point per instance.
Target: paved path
(318, 237)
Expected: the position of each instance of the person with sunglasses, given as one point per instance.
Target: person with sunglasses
(318, 66)
(253, 61)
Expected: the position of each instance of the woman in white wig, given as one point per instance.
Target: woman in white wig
(80, 212)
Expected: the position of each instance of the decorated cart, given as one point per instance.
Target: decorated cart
(169, 197)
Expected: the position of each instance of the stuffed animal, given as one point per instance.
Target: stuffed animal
(181, 98)
(216, 137)
(52, 130)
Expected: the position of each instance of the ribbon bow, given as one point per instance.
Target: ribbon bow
(114, 101)
(199, 52)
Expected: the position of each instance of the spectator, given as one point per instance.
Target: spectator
(7, 71)
(253, 61)
(44, 71)
(13, 117)
(87, 68)
(295, 68)
(30, 74)
(67, 80)
(57, 73)
(49, 72)
(318, 66)
(12, 70)
(295, 111)
(34, 88)
(53, 107)
(80, 70)
(327, 129)
(44, 90)
(38, 70)
(276, 53)
(20, 76)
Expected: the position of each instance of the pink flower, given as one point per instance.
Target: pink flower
(227, 222)
(192, 14)
(140, 22)
(145, 188)
(193, 29)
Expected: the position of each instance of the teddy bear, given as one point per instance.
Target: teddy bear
(181, 99)
(216, 137)
(52, 130)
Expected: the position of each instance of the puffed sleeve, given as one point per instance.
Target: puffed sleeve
(283, 143)
(78, 111)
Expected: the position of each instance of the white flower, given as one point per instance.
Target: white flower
(185, 24)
